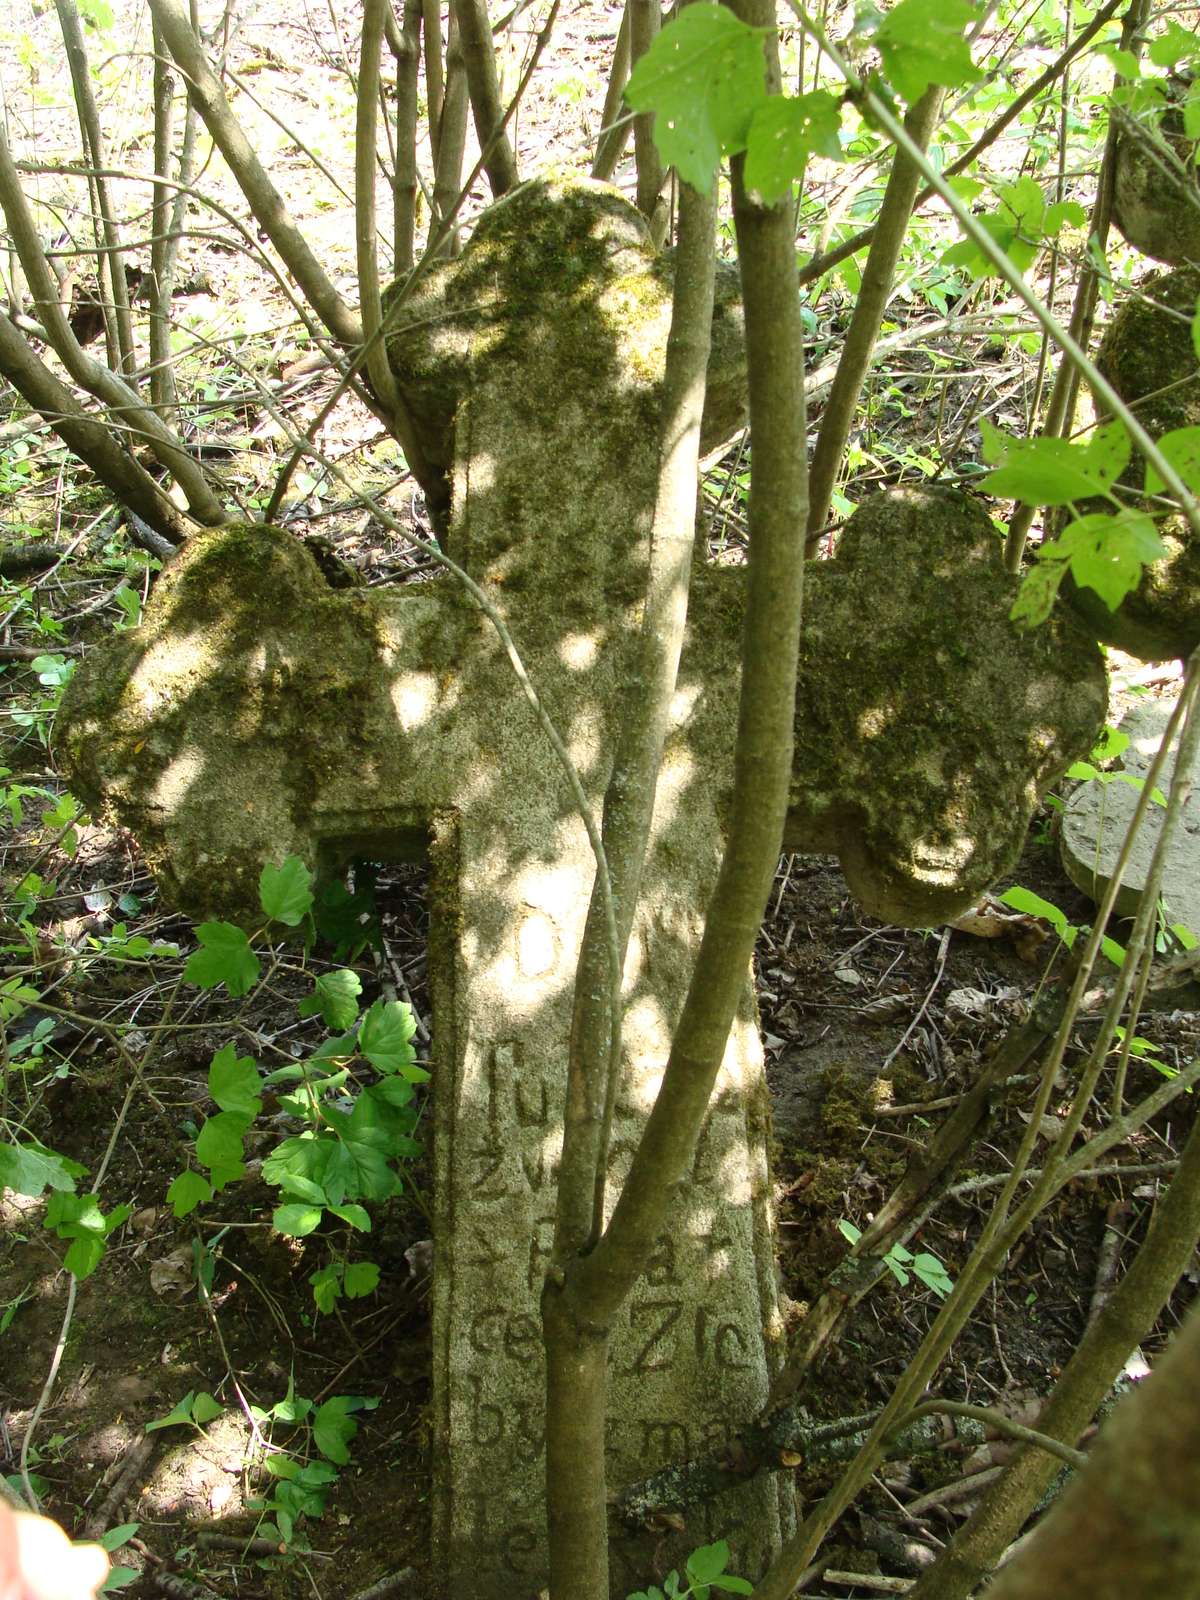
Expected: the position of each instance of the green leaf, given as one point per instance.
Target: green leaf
(326, 1287)
(1033, 904)
(219, 1147)
(113, 1538)
(180, 1413)
(394, 1092)
(1059, 214)
(194, 1407)
(306, 1157)
(1057, 472)
(234, 1083)
(286, 892)
(97, 12)
(297, 1221)
(188, 1191)
(340, 1048)
(335, 996)
(1175, 45)
(384, 1036)
(967, 189)
(84, 1255)
(302, 1188)
(1036, 596)
(28, 1169)
(1108, 553)
(1111, 743)
(703, 78)
(333, 1427)
(356, 1216)
(707, 1562)
(1191, 112)
(205, 1408)
(225, 957)
(733, 1585)
(1125, 62)
(14, 997)
(362, 1278)
(933, 1274)
(921, 43)
(1182, 449)
(785, 131)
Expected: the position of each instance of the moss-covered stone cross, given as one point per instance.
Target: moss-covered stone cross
(257, 712)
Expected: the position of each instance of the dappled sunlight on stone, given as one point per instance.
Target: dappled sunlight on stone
(176, 780)
(538, 945)
(176, 659)
(876, 720)
(578, 651)
(415, 698)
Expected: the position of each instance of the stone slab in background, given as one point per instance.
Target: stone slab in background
(1098, 816)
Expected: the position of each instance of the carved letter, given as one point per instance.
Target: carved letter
(667, 1314)
(664, 1441)
(487, 1420)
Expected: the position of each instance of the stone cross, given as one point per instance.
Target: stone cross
(258, 712)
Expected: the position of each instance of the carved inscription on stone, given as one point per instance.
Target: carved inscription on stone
(687, 1361)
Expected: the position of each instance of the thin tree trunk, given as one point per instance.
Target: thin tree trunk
(431, 16)
(452, 138)
(584, 1293)
(162, 374)
(89, 438)
(645, 22)
(370, 306)
(615, 124)
(877, 279)
(110, 262)
(405, 42)
(483, 81)
(265, 201)
(1088, 1377)
(1129, 1525)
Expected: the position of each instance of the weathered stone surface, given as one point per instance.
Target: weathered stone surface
(927, 724)
(1149, 358)
(258, 712)
(1156, 200)
(460, 308)
(1098, 815)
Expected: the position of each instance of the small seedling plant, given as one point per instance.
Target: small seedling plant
(353, 1100)
(704, 1569)
(303, 1472)
(904, 1265)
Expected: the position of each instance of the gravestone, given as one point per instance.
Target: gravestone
(1099, 813)
(257, 712)
(1149, 356)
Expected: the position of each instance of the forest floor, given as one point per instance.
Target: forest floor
(871, 1032)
